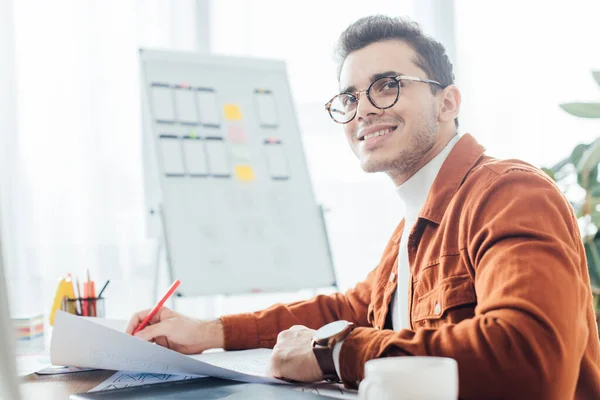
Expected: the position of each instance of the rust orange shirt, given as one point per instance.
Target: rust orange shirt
(499, 282)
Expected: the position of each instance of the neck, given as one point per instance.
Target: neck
(442, 139)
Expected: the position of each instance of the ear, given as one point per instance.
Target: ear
(450, 104)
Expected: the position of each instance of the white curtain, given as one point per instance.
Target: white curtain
(517, 60)
(79, 194)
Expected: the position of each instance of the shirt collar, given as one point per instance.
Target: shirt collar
(462, 159)
(413, 192)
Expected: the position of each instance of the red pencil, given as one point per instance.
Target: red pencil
(143, 324)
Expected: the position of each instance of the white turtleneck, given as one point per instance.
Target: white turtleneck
(413, 194)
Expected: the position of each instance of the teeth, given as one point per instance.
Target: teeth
(378, 133)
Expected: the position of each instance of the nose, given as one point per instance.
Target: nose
(365, 108)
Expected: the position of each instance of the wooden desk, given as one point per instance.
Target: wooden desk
(61, 386)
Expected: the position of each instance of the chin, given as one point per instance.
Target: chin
(374, 166)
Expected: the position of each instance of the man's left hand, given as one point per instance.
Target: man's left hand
(293, 357)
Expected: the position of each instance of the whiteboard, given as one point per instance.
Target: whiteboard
(224, 156)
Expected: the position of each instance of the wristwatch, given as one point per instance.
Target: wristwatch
(323, 342)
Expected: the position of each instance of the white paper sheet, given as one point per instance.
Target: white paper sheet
(185, 106)
(171, 153)
(124, 379)
(82, 343)
(267, 113)
(162, 103)
(336, 390)
(209, 111)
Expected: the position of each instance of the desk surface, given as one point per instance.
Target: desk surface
(61, 386)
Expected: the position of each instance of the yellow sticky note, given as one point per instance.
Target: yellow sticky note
(244, 173)
(232, 112)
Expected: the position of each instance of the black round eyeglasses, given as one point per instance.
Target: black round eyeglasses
(382, 93)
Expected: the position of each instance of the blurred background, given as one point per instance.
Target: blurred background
(70, 129)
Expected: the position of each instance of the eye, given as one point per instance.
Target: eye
(385, 86)
(391, 84)
(347, 100)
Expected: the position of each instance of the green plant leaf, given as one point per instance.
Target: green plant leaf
(558, 166)
(577, 152)
(583, 110)
(590, 157)
(592, 251)
(596, 75)
(549, 172)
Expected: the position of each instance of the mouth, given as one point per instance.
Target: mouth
(381, 132)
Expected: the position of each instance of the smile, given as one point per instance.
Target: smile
(376, 134)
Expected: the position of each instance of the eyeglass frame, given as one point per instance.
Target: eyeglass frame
(358, 94)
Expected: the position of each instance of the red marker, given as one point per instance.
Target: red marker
(143, 324)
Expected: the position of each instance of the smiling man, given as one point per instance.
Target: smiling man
(487, 267)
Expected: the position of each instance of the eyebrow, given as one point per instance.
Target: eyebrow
(374, 77)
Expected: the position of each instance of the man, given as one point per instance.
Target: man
(487, 267)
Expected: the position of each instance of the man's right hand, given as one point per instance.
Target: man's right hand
(178, 332)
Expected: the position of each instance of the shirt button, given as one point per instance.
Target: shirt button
(437, 309)
(392, 276)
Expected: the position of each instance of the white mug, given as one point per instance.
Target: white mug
(414, 378)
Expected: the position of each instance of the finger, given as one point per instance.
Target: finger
(162, 341)
(274, 368)
(151, 332)
(135, 320)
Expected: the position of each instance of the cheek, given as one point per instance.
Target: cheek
(350, 131)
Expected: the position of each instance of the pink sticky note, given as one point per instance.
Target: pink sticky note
(236, 134)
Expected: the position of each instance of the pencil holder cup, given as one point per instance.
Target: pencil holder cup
(84, 306)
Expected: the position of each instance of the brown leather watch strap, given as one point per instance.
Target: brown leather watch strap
(324, 357)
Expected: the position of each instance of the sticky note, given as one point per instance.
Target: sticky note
(232, 112)
(185, 106)
(171, 155)
(162, 102)
(195, 157)
(244, 173)
(267, 112)
(236, 134)
(207, 107)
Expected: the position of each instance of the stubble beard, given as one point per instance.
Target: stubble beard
(406, 161)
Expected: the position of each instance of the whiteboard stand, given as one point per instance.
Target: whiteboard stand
(162, 243)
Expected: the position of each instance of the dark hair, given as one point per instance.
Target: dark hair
(431, 54)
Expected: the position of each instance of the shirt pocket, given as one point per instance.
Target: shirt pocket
(452, 301)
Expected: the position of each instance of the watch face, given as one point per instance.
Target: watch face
(331, 329)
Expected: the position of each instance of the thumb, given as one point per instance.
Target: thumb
(151, 332)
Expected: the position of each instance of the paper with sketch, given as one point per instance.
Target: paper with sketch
(130, 379)
(81, 343)
(124, 379)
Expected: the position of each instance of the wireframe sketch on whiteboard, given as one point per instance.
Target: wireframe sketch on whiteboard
(219, 164)
(196, 163)
(208, 107)
(185, 105)
(162, 102)
(267, 112)
(171, 155)
(276, 161)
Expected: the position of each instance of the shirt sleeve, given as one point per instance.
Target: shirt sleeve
(260, 329)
